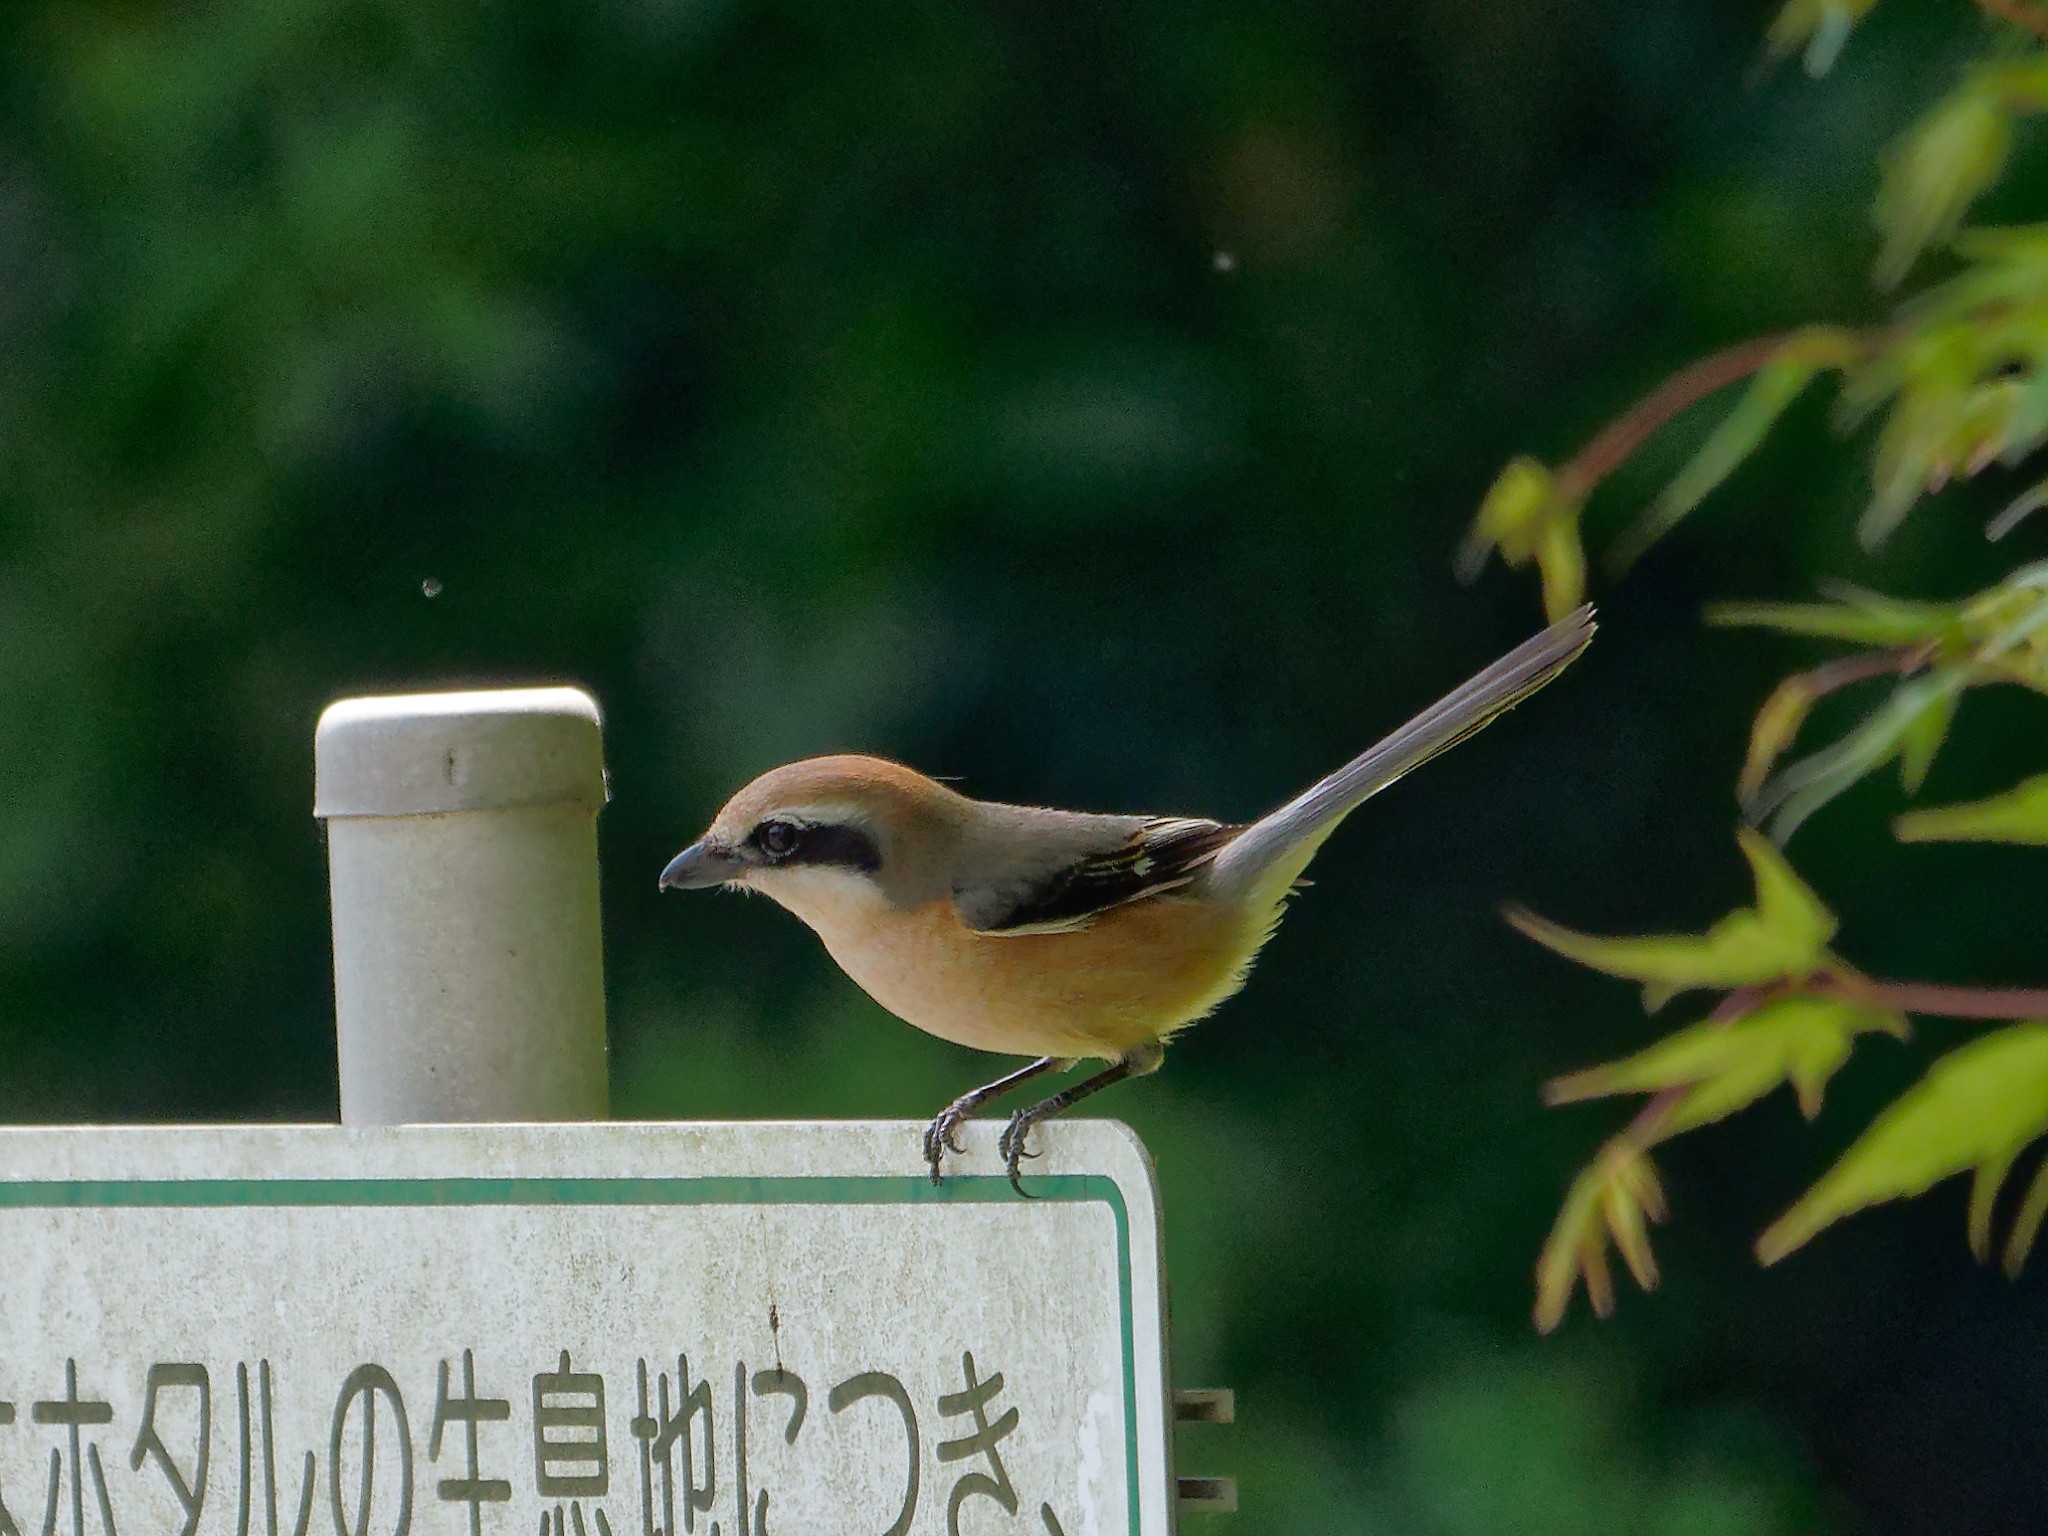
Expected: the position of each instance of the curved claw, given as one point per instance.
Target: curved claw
(1012, 1147)
(935, 1145)
(943, 1133)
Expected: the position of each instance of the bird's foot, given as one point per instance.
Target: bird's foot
(1011, 1145)
(944, 1132)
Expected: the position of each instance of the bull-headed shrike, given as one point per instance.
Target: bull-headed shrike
(1058, 935)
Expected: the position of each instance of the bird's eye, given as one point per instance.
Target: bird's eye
(777, 838)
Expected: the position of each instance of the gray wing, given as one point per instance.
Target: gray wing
(1157, 855)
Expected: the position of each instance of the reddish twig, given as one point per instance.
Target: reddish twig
(1903, 661)
(1614, 443)
(1643, 1131)
(1932, 998)
(1743, 1001)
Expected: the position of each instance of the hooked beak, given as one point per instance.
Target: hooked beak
(698, 866)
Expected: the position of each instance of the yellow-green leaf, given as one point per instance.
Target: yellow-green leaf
(1784, 934)
(1777, 723)
(1873, 622)
(1923, 738)
(2026, 1226)
(1561, 564)
(1785, 903)
(1912, 452)
(1726, 1066)
(2020, 815)
(1942, 165)
(1737, 951)
(1523, 501)
(1984, 1187)
(1614, 1197)
(1978, 1105)
(1629, 1225)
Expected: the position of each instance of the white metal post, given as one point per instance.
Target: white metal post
(462, 854)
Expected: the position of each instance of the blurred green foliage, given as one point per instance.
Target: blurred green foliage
(1085, 401)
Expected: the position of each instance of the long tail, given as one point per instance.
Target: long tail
(1268, 856)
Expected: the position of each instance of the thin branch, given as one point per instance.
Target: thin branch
(1647, 1128)
(2021, 13)
(1613, 444)
(1931, 998)
(1768, 738)
(1744, 1001)
(1901, 661)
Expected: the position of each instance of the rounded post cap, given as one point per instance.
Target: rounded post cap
(424, 754)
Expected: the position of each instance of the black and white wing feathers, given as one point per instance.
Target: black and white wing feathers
(1161, 854)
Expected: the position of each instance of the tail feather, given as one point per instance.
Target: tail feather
(1268, 855)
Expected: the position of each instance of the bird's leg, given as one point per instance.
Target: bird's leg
(1146, 1058)
(944, 1131)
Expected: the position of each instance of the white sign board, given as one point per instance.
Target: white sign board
(629, 1330)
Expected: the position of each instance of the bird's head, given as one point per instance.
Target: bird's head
(826, 828)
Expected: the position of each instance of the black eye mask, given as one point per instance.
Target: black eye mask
(784, 843)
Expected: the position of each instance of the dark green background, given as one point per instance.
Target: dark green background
(1084, 401)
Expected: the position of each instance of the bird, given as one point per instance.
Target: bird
(1058, 935)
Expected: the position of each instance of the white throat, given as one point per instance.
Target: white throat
(830, 898)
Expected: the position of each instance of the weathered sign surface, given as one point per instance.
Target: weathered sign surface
(633, 1330)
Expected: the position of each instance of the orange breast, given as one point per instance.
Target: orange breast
(1137, 974)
